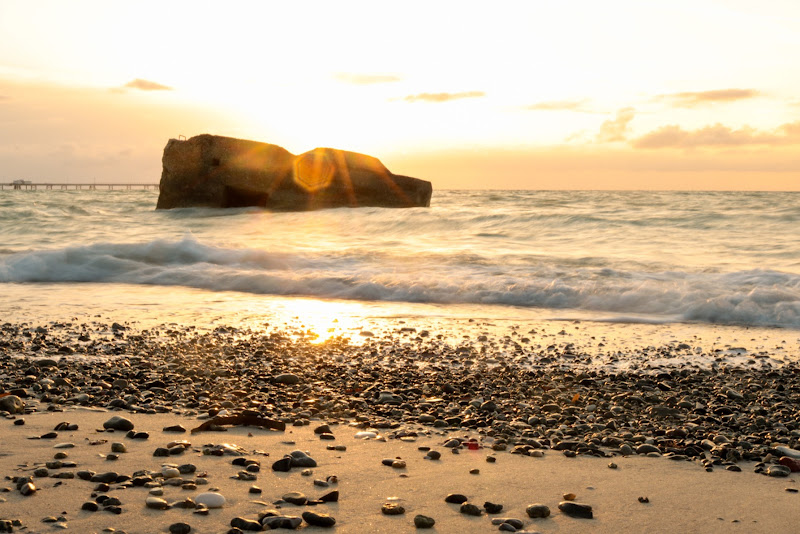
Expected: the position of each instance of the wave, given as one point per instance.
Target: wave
(753, 297)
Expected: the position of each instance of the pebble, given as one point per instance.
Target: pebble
(210, 500)
(283, 465)
(331, 496)
(468, 508)
(516, 523)
(287, 378)
(492, 508)
(12, 404)
(536, 511)
(301, 459)
(118, 423)
(180, 528)
(392, 509)
(778, 471)
(423, 521)
(156, 503)
(456, 498)
(319, 520)
(246, 524)
(295, 497)
(574, 509)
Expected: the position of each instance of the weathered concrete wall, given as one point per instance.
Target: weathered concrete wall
(219, 172)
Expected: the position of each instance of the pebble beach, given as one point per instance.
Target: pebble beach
(113, 427)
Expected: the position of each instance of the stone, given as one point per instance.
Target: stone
(331, 496)
(468, 508)
(391, 508)
(295, 497)
(423, 521)
(210, 499)
(281, 521)
(778, 471)
(246, 524)
(492, 508)
(118, 447)
(319, 520)
(106, 478)
(575, 509)
(287, 378)
(12, 404)
(537, 511)
(283, 465)
(156, 503)
(456, 498)
(301, 459)
(222, 172)
(118, 423)
(646, 448)
(180, 528)
(89, 506)
(516, 523)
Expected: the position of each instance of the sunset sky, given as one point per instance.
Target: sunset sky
(696, 94)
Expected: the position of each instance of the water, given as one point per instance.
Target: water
(704, 257)
(709, 257)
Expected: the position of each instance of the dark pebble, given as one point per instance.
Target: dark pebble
(392, 509)
(492, 508)
(470, 509)
(536, 511)
(456, 498)
(319, 520)
(283, 465)
(180, 528)
(423, 521)
(575, 509)
(246, 524)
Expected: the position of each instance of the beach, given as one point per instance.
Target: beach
(519, 427)
(634, 351)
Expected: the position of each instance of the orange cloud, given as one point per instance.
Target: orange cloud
(615, 129)
(146, 85)
(443, 97)
(717, 135)
(366, 79)
(692, 99)
(558, 105)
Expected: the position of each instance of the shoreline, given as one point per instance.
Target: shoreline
(552, 426)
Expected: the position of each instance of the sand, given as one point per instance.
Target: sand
(683, 497)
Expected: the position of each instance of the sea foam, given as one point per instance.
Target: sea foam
(757, 297)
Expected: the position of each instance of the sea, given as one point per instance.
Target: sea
(667, 265)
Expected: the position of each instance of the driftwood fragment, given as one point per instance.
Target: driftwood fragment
(243, 420)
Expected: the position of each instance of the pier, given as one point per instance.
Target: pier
(26, 185)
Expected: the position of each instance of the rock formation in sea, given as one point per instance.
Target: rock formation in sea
(223, 172)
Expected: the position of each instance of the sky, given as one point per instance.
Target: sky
(699, 94)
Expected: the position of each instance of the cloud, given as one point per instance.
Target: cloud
(692, 99)
(146, 85)
(615, 129)
(718, 135)
(366, 79)
(558, 105)
(443, 97)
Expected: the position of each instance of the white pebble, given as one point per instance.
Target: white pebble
(170, 472)
(210, 499)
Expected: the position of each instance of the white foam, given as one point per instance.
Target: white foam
(756, 297)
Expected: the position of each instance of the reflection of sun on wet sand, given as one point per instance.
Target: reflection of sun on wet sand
(504, 416)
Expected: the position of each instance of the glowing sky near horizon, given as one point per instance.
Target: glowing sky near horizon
(700, 94)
